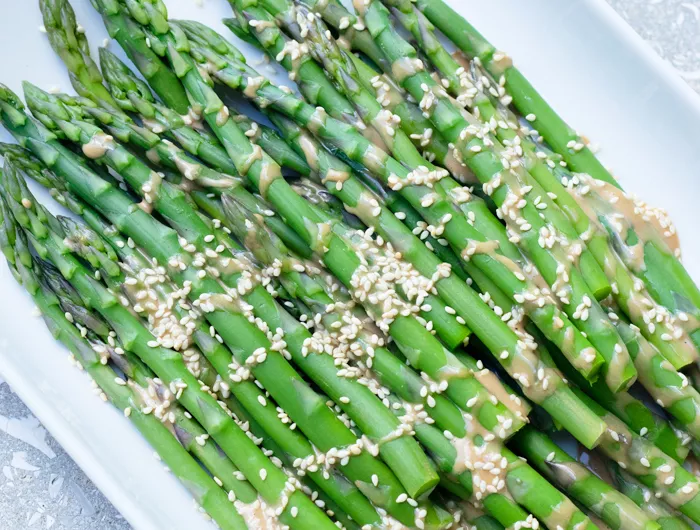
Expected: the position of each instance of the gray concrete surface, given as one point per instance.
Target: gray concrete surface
(42, 488)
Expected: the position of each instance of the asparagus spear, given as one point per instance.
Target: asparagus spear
(130, 94)
(207, 493)
(403, 452)
(133, 95)
(410, 388)
(675, 346)
(331, 482)
(664, 275)
(670, 388)
(510, 188)
(624, 404)
(645, 498)
(127, 87)
(136, 44)
(432, 144)
(498, 341)
(152, 392)
(228, 76)
(336, 62)
(616, 510)
(166, 246)
(263, 173)
(648, 464)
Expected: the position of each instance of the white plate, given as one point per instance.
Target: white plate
(589, 64)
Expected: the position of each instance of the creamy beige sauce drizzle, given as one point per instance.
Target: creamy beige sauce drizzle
(406, 67)
(374, 158)
(493, 386)
(317, 120)
(459, 170)
(667, 394)
(365, 208)
(360, 7)
(156, 397)
(388, 92)
(252, 86)
(223, 302)
(152, 155)
(499, 63)
(479, 247)
(227, 265)
(561, 514)
(222, 183)
(222, 116)
(268, 174)
(255, 155)
(153, 125)
(319, 233)
(620, 209)
(385, 127)
(150, 191)
(189, 170)
(98, 145)
(259, 515)
(308, 146)
(334, 175)
(469, 454)
(461, 59)
(629, 451)
(193, 119)
(344, 41)
(261, 25)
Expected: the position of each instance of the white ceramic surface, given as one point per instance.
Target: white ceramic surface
(582, 57)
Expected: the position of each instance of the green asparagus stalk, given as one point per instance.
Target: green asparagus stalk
(628, 403)
(333, 59)
(248, 394)
(137, 46)
(509, 187)
(664, 275)
(132, 95)
(354, 36)
(72, 46)
(432, 144)
(361, 466)
(616, 510)
(165, 245)
(411, 117)
(452, 332)
(281, 100)
(228, 76)
(403, 453)
(258, 168)
(154, 395)
(635, 303)
(404, 449)
(633, 412)
(410, 387)
(645, 498)
(670, 388)
(658, 471)
(127, 398)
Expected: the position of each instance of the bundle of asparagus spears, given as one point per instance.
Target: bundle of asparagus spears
(374, 306)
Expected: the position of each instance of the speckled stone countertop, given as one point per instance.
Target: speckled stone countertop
(42, 488)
